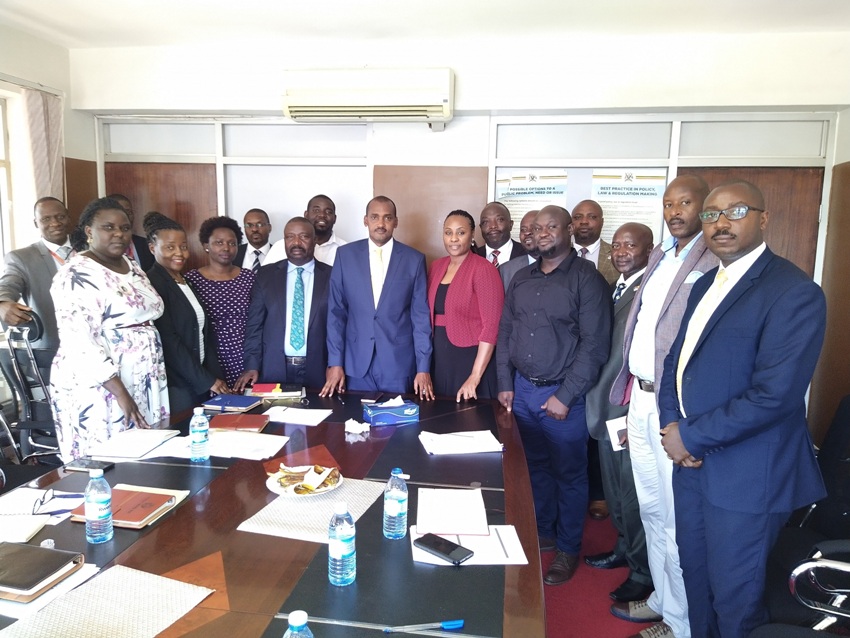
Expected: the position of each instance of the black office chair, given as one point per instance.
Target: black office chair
(26, 370)
(828, 519)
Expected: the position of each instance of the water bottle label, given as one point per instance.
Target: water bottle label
(395, 506)
(97, 510)
(339, 548)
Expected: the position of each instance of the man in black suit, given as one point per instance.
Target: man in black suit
(25, 285)
(630, 248)
(285, 334)
(139, 252)
(257, 230)
(526, 238)
(496, 225)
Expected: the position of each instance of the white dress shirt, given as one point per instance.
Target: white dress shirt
(54, 250)
(592, 252)
(504, 255)
(248, 261)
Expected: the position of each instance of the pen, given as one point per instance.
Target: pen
(339, 398)
(446, 625)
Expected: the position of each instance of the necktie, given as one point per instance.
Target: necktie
(619, 292)
(257, 265)
(696, 325)
(494, 258)
(63, 252)
(377, 275)
(296, 333)
(583, 252)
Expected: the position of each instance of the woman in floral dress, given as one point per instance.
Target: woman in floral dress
(225, 291)
(108, 374)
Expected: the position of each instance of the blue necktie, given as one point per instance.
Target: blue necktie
(256, 265)
(296, 335)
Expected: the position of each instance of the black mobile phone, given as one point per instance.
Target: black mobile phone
(86, 463)
(443, 548)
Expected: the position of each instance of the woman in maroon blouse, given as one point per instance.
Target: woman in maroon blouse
(466, 294)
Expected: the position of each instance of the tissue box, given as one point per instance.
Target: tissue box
(377, 414)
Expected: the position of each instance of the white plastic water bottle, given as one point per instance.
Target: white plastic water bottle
(395, 506)
(98, 508)
(342, 553)
(298, 625)
(199, 436)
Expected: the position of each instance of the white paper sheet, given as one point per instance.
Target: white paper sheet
(306, 517)
(22, 610)
(131, 444)
(117, 602)
(18, 525)
(228, 444)
(448, 511)
(475, 442)
(297, 416)
(615, 426)
(501, 547)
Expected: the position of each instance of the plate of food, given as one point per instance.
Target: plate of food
(304, 480)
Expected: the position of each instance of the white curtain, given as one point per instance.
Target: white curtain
(44, 123)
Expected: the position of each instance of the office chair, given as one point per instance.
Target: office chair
(826, 520)
(25, 370)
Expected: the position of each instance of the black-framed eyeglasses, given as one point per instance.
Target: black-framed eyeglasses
(48, 496)
(258, 225)
(732, 214)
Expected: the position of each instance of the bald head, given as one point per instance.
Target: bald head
(630, 248)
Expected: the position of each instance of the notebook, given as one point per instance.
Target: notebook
(27, 571)
(232, 403)
(133, 509)
(244, 422)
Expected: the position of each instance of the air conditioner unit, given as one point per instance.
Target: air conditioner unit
(370, 95)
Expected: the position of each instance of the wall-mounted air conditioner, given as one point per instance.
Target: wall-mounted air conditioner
(369, 95)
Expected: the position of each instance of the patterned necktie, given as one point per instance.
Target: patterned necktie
(63, 252)
(257, 265)
(619, 292)
(697, 323)
(583, 252)
(494, 258)
(296, 334)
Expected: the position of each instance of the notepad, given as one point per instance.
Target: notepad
(242, 422)
(135, 506)
(27, 571)
(131, 444)
(447, 511)
(475, 442)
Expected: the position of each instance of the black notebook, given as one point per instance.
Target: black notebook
(27, 571)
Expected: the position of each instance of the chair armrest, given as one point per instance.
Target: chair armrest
(813, 572)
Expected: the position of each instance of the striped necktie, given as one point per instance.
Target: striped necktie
(619, 292)
(257, 263)
(583, 252)
(494, 258)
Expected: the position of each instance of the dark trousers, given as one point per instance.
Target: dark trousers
(556, 453)
(723, 555)
(296, 374)
(619, 483)
(376, 381)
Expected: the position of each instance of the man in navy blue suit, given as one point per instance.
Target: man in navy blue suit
(733, 400)
(379, 326)
(285, 333)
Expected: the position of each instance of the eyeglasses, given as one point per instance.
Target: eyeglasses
(48, 496)
(732, 214)
(258, 225)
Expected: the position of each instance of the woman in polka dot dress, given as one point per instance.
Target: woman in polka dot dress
(225, 291)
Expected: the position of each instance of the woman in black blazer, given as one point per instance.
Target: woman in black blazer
(188, 341)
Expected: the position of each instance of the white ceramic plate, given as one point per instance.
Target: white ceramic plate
(289, 490)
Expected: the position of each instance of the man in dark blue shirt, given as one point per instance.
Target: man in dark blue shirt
(554, 337)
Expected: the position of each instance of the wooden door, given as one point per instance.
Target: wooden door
(184, 192)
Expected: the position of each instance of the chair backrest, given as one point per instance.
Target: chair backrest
(26, 370)
(832, 515)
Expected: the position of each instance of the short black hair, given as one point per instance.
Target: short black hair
(42, 200)
(78, 236)
(259, 210)
(214, 223)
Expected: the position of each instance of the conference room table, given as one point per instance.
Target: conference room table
(257, 577)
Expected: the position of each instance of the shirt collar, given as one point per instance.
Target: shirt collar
(308, 267)
(592, 248)
(631, 279)
(737, 268)
(504, 249)
(263, 249)
(54, 247)
(385, 249)
(671, 243)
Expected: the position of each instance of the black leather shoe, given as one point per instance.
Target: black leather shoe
(561, 569)
(608, 560)
(630, 591)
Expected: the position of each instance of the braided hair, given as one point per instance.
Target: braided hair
(154, 222)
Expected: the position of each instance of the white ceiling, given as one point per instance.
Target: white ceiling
(115, 23)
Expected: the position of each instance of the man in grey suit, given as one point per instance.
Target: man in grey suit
(25, 285)
(526, 238)
(652, 325)
(630, 249)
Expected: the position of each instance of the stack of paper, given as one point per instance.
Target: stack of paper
(474, 442)
(446, 511)
(17, 523)
(228, 444)
(297, 416)
(131, 444)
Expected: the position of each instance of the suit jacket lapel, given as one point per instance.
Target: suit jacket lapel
(320, 290)
(628, 294)
(392, 269)
(684, 271)
(46, 259)
(278, 305)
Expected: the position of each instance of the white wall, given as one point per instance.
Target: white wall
(842, 139)
(572, 72)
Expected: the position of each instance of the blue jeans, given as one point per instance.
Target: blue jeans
(556, 453)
